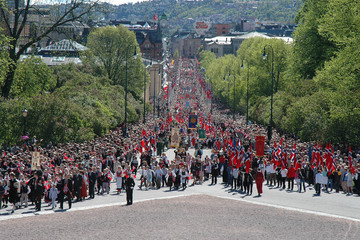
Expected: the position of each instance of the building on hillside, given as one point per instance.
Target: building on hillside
(275, 29)
(148, 36)
(222, 45)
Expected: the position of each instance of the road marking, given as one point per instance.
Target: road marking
(17, 216)
(33, 214)
(292, 209)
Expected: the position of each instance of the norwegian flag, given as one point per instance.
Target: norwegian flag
(350, 161)
(319, 157)
(46, 185)
(247, 162)
(293, 153)
(285, 156)
(276, 156)
(313, 157)
(333, 163)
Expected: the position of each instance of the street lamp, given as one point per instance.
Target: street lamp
(25, 114)
(272, 88)
(234, 99)
(229, 90)
(126, 84)
(247, 88)
(158, 102)
(144, 116)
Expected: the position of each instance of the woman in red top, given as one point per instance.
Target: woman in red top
(291, 177)
(259, 179)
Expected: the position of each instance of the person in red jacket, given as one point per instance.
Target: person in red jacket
(259, 179)
(291, 177)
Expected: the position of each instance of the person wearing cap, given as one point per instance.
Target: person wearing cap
(129, 183)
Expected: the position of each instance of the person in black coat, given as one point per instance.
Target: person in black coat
(92, 181)
(38, 191)
(64, 187)
(248, 182)
(77, 184)
(129, 183)
(214, 172)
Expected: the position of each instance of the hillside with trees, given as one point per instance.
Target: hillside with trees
(182, 15)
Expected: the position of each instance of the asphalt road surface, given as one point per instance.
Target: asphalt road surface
(191, 217)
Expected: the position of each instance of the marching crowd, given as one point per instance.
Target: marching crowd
(75, 171)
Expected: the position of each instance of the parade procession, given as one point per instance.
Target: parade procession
(191, 140)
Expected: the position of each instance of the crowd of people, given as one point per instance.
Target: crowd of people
(73, 172)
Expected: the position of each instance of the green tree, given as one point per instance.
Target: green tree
(14, 19)
(311, 49)
(32, 77)
(110, 48)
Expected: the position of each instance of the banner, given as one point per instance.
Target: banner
(260, 145)
(192, 121)
(202, 135)
(175, 137)
(35, 161)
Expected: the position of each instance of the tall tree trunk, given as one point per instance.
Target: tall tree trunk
(10, 75)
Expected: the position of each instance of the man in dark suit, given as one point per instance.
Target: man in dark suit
(77, 184)
(64, 187)
(38, 191)
(129, 183)
(92, 181)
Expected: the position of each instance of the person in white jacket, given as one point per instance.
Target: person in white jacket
(119, 179)
(184, 176)
(53, 195)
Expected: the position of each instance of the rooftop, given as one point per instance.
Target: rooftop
(64, 45)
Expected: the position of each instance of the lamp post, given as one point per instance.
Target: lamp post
(144, 116)
(247, 88)
(158, 102)
(229, 90)
(234, 99)
(126, 85)
(209, 80)
(272, 88)
(24, 113)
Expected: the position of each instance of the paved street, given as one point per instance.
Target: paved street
(192, 217)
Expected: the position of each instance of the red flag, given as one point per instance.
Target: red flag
(46, 185)
(155, 17)
(350, 161)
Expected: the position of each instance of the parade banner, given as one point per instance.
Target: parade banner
(35, 161)
(260, 145)
(192, 121)
(175, 137)
(202, 135)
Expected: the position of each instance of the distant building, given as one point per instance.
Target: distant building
(61, 52)
(148, 36)
(275, 29)
(222, 45)
(187, 44)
